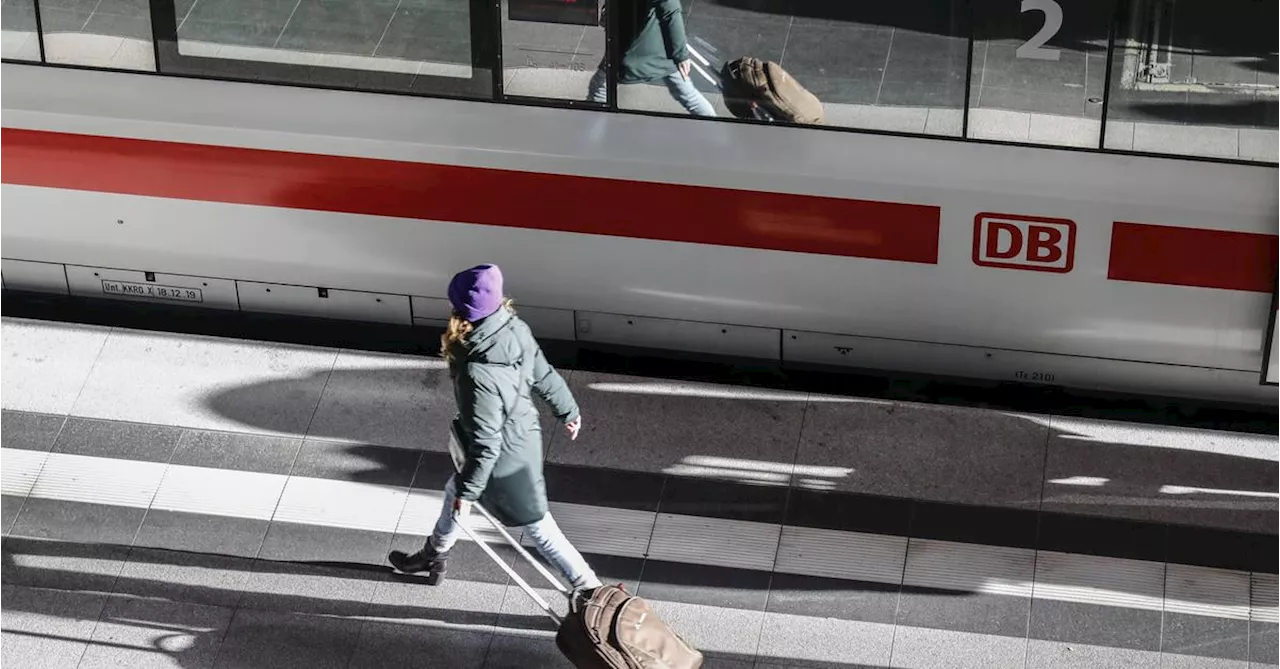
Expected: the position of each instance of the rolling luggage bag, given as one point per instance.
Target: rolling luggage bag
(606, 628)
(754, 88)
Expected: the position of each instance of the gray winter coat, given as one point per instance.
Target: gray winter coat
(495, 370)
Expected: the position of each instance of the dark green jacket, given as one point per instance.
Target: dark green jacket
(495, 371)
(653, 31)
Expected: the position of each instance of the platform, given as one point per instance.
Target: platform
(175, 500)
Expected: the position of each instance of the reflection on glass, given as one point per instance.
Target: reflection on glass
(896, 66)
(1196, 77)
(374, 44)
(551, 48)
(100, 33)
(19, 40)
(1039, 69)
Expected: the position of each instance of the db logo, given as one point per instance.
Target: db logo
(1024, 242)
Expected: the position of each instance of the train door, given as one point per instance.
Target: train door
(1271, 361)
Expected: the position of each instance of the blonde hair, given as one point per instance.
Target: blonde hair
(459, 328)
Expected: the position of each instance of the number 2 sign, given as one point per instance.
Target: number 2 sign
(1034, 48)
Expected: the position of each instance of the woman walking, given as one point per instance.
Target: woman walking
(496, 365)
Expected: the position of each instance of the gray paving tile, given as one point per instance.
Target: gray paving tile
(311, 588)
(1202, 636)
(919, 52)
(925, 648)
(62, 565)
(33, 379)
(723, 499)
(1176, 661)
(916, 451)
(508, 651)
(271, 12)
(18, 17)
(705, 585)
(119, 26)
(316, 543)
(963, 612)
(46, 628)
(119, 440)
(229, 32)
(181, 531)
(29, 431)
(824, 642)
(428, 34)
(1064, 655)
(1095, 625)
(835, 51)
(198, 578)
(1262, 644)
(133, 8)
(760, 36)
(205, 382)
(337, 27)
(9, 507)
(54, 20)
(236, 451)
(639, 491)
(1135, 475)
(285, 640)
(387, 400)
(456, 603)
(923, 88)
(78, 521)
(750, 430)
(833, 598)
(398, 645)
(1071, 103)
(146, 633)
(380, 465)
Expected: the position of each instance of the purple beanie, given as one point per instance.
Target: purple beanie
(476, 292)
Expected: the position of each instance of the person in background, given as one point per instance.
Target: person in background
(496, 366)
(653, 31)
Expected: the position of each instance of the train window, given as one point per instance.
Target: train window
(422, 46)
(896, 66)
(554, 49)
(1195, 77)
(1271, 364)
(1039, 71)
(19, 40)
(100, 33)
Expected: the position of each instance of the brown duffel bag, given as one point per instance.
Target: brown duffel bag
(620, 631)
(764, 82)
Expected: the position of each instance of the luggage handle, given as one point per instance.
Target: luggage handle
(524, 585)
(459, 458)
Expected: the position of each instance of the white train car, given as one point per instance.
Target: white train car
(1080, 269)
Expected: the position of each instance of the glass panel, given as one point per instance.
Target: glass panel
(1196, 77)
(1271, 370)
(398, 45)
(1039, 69)
(552, 48)
(897, 66)
(100, 33)
(18, 39)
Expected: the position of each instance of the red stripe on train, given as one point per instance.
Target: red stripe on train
(1193, 257)
(697, 214)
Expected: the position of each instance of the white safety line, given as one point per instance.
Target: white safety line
(719, 542)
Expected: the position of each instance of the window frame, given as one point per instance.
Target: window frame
(486, 57)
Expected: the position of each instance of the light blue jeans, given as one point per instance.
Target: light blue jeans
(681, 89)
(548, 540)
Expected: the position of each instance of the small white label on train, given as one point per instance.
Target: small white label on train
(152, 291)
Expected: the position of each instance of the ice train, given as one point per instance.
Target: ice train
(1079, 269)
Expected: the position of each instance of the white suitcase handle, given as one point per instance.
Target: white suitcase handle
(456, 453)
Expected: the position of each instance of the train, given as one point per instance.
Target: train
(1080, 269)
